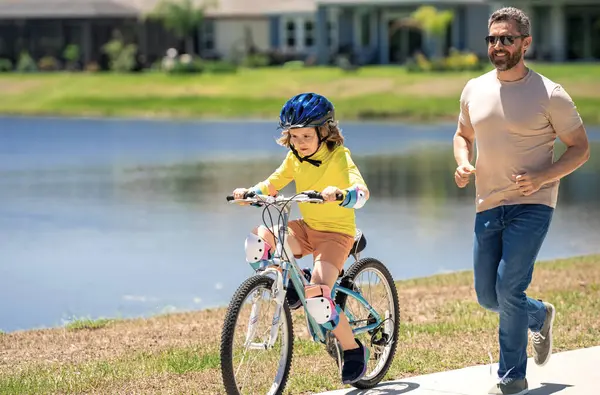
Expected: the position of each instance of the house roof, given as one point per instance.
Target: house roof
(230, 8)
(65, 8)
(133, 8)
(397, 2)
(223, 8)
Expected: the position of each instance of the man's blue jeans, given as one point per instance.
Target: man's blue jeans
(507, 241)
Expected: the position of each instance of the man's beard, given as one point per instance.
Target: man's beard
(506, 62)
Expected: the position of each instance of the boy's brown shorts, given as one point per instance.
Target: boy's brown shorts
(330, 247)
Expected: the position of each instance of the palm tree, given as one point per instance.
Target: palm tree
(434, 23)
(181, 17)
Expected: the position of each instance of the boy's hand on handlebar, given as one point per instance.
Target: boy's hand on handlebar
(329, 193)
(239, 193)
(245, 193)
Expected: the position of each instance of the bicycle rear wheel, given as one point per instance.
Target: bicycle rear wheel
(248, 364)
(374, 282)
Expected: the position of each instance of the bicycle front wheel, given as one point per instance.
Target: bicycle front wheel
(256, 340)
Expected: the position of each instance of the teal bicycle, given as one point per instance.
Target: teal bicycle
(257, 336)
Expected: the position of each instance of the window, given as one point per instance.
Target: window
(309, 34)
(290, 34)
(365, 29)
(208, 34)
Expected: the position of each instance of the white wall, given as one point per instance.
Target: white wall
(300, 33)
(231, 33)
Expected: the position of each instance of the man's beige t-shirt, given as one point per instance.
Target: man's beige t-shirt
(516, 124)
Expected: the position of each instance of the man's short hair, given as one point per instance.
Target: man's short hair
(512, 14)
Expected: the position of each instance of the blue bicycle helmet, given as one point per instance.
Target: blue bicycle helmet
(306, 110)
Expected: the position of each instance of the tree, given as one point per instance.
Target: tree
(181, 17)
(434, 24)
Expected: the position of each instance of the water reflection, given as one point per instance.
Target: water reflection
(423, 173)
(128, 218)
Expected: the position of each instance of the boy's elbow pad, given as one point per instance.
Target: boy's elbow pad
(356, 197)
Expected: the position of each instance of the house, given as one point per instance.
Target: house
(371, 31)
(45, 27)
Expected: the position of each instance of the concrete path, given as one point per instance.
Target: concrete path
(574, 372)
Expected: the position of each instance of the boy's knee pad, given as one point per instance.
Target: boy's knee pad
(321, 307)
(256, 248)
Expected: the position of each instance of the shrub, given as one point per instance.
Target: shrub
(219, 66)
(455, 61)
(48, 63)
(184, 63)
(122, 56)
(72, 54)
(5, 65)
(92, 67)
(256, 60)
(26, 63)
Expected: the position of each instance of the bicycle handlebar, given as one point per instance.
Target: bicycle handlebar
(307, 196)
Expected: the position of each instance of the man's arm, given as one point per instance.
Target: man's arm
(569, 128)
(577, 153)
(464, 140)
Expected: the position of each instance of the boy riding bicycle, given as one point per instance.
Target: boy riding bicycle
(317, 161)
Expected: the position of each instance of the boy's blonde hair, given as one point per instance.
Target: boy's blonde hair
(330, 131)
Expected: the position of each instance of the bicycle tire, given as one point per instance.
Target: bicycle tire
(353, 271)
(227, 334)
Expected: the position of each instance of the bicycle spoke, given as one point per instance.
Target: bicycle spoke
(252, 365)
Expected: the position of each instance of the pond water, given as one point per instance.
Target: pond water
(122, 218)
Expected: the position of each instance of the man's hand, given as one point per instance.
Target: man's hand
(329, 193)
(528, 183)
(462, 174)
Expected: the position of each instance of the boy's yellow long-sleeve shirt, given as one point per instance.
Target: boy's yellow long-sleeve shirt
(337, 169)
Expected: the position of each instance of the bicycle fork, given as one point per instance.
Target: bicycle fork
(277, 291)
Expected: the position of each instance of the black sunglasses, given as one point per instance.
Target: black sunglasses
(505, 40)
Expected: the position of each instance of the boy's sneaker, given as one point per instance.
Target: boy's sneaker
(355, 363)
(542, 340)
(292, 296)
(510, 386)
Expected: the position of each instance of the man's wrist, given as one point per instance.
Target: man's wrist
(545, 176)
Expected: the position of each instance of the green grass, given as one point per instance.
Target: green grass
(442, 327)
(78, 378)
(375, 92)
(88, 323)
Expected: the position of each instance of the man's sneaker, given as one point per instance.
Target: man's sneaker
(355, 363)
(542, 340)
(510, 386)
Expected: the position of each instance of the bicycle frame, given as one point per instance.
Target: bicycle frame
(286, 270)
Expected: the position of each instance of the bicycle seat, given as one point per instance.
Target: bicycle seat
(360, 242)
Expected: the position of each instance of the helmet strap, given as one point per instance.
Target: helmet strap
(313, 162)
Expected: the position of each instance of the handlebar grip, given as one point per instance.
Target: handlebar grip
(249, 194)
(313, 195)
(317, 195)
